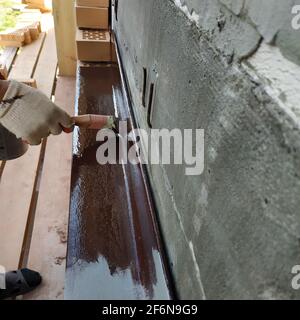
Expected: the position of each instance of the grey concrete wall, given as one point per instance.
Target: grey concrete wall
(234, 231)
(237, 26)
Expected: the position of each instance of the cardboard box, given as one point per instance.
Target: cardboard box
(92, 17)
(93, 45)
(94, 3)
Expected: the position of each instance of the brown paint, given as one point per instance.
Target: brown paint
(114, 251)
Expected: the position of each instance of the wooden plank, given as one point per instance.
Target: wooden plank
(26, 61)
(2, 166)
(47, 61)
(7, 57)
(43, 5)
(48, 246)
(47, 22)
(114, 250)
(29, 82)
(3, 71)
(64, 19)
(15, 195)
(19, 176)
(45, 71)
(11, 43)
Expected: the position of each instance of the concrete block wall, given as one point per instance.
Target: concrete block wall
(230, 67)
(257, 20)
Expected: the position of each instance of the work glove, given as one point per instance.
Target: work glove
(30, 115)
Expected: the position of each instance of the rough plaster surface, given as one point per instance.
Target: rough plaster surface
(236, 6)
(243, 23)
(280, 77)
(233, 232)
(234, 37)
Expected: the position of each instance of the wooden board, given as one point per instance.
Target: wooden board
(64, 19)
(2, 166)
(11, 43)
(114, 249)
(24, 65)
(13, 39)
(47, 61)
(15, 196)
(7, 57)
(48, 246)
(19, 176)
(3, 72)
(45, 71)
(43, 5)
(29, 82)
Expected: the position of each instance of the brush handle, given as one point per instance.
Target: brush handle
(92, 121)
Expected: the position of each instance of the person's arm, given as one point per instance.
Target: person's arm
(29, 114)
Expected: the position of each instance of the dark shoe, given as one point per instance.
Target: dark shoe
(19, 283)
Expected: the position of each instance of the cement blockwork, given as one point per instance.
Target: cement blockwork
(234, 231)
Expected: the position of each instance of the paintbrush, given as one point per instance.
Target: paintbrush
(93, 121)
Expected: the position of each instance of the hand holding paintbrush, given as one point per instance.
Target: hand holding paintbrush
(92, 121)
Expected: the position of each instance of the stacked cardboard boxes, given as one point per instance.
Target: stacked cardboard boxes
(93, 37)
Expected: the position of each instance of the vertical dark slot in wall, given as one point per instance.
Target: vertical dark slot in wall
(144, 87)
(150, 104)
(116, 9)
(110, 13)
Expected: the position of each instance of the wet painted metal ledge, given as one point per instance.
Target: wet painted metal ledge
(114, 246)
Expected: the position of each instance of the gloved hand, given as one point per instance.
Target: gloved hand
(30, 115)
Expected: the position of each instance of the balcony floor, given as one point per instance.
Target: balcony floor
(35, 189)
